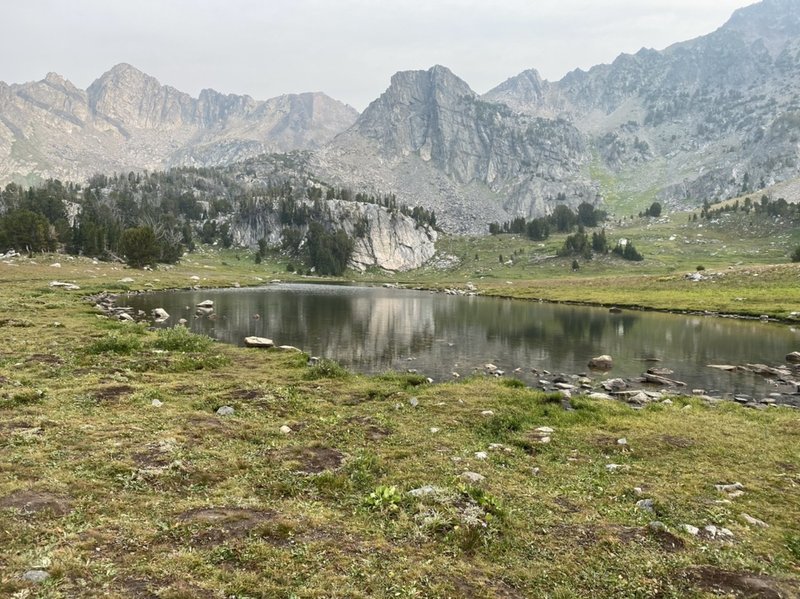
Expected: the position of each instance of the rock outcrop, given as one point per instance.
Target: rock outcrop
(382, 238)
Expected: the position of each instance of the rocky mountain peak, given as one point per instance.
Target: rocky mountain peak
(775, 22)
(126, 95)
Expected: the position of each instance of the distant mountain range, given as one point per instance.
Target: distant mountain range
(703, 119)
(126, 120)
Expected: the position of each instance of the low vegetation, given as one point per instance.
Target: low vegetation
(122, 479)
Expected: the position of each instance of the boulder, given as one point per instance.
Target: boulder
(258, 342)
(472, 477)
(615, 385)
(36, 576)
(62, 285)
(793, 358)
(206, 304)
(603, 362)
(160, 314)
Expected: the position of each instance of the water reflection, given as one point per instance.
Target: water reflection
(376, 329)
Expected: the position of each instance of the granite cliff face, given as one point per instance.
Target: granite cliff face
(126, 120)
(432, 140)
(702, 119)
(387, 239)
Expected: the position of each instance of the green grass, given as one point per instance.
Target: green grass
(176, 501)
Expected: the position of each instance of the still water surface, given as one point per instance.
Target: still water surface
(372, 329)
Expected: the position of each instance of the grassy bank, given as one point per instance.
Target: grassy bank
(120, 478)
(744, 263)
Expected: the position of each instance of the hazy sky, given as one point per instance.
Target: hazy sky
(346, 48)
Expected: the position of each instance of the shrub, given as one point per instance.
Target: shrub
(117, 344)
(23, 398)
(140, 246)
(796, 254)
(181, 339)
(327, 369)
(513, 383)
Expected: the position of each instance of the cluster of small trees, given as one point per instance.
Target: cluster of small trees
(153, 217)
(562, 220)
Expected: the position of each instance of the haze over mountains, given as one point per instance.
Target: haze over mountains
(126, 120)
(702, 119)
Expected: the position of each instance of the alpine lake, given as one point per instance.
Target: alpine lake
(374, 329)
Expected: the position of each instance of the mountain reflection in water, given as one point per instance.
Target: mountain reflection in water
(372, 329)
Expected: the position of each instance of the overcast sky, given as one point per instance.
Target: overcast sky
(347, 48)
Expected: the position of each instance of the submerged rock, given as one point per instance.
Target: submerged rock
(604, 362)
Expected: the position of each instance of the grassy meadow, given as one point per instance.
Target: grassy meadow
(120, 479)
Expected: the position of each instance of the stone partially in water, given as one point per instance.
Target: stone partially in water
(262, 342)
(793, 357)
(604, 362)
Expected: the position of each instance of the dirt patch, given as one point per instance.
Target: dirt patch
(372, 430)
(112, 393)
(18, 426)
(15, 322)
(313, 460)
(212, 526)
(606, 443)
(35, 502)
(44, 359)
(480, 588)
(566, 505)
(246, 394)
(201, 427)
(156, 455)
(588, 536)
(673, 441)
(743, 584)
(667, 541)
(138, 588)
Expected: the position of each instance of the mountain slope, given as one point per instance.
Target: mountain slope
(432, 140)
(709, 117)
(127, 120)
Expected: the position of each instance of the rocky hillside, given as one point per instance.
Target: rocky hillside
(432, 140)
(126, 120)
(707, 118)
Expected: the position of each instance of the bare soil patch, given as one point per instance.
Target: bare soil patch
(743, 584)
(111, 393)
(215, 525)
(246, 394)
(34, 502)
(673, 441)
(313, 460)
(50, 359)
(372, 430)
